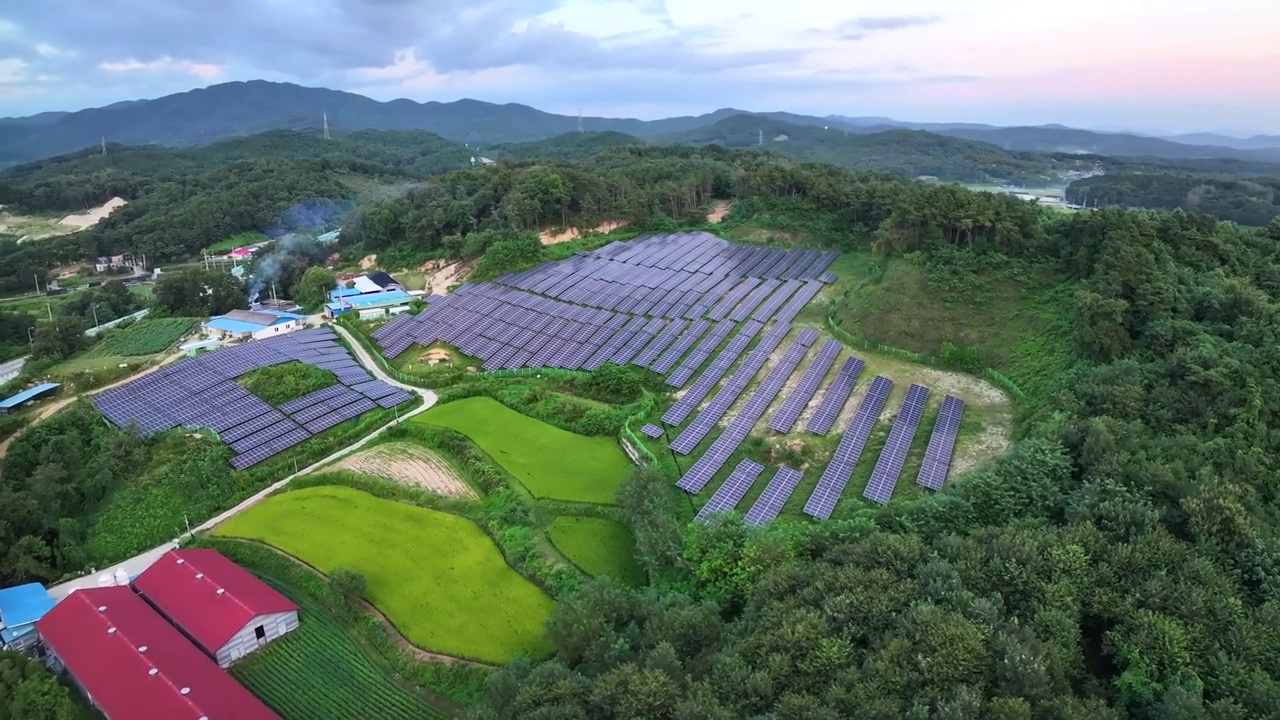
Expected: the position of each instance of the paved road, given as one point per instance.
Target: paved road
(9, 370)
(138, 563)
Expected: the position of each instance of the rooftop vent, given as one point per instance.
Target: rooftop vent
(180, 561)
(199, 576)
(220, 591)
(111, 631)
(152, 672)
(102, 608)
(142, 648)
(184, 691)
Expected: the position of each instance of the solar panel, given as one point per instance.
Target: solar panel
(651, 430)
(729, 494)
(774, 497)
(831, 485)
(937, 456)
(894, 453)
(794, 405)
(834, 399)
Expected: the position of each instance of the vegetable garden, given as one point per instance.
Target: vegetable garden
(145, 337)
(317, 671)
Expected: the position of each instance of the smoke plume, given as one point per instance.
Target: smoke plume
(289, 254)
(310, 216)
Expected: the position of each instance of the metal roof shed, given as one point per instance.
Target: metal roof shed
(8, 404)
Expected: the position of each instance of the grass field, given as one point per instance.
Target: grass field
(549, 462)
(279, 384)
(598, 546)
(145, 337)
(436, 576)
(317, 671)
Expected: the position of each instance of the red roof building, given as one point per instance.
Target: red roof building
(221, 606)
(131, 663)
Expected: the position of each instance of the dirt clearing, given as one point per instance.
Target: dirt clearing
(89, 218)
(409, 464)
(718, 211)
(550, 238)
(442, 277)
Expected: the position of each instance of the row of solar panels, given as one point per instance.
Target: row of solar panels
(202, 392)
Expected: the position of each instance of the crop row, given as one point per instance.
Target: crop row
(317, 671)
(145, 337)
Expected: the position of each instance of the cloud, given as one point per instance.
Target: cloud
(204, 71)
(858, 28)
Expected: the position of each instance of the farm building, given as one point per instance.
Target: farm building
(132, 664)
(20, 608)
(256, 324)
(224, 609)
(14, 402)
(370, 304)
(374, 282)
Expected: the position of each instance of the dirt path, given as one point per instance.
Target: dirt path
(441, 278)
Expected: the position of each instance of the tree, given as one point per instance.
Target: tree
(59, 338)
(314, 287)
(198, 293)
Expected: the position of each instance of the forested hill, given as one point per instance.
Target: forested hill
(910, 153)
(237, 109)
(1253, 202)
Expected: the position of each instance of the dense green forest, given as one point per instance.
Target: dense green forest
(1246, 201)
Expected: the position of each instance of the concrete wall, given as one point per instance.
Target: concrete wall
(246, 641)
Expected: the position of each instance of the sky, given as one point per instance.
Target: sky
(1175, 66)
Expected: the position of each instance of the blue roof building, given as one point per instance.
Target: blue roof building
(368, 301)
(20, 608)
(15, 401)
(255, 323)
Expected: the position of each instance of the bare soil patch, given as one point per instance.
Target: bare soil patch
(551, 238)
(718, 211)
(409, 464)
(442, 276)
(368, 261)
(91, 217)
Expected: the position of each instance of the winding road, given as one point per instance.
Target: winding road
(142, 561)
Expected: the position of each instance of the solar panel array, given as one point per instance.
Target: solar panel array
(774, 497)
(884, 477)
(937, 456)
(731, 492)
(798, 400)
(202, 392)
(705, 348)
(738, 382)
(701, 472)
(836, 396)
(628, 302)
(653, 431)
(831, 485)
(680, 411)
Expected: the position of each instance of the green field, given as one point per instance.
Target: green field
(317, 671)
(598, 546)
(279, 384)
(549, 462)
(145, 337)
(436, 576)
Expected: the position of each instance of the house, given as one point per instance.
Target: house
(132, 664)
(374, 282)
(20, 608)
(113, 262)
(224, 609)
(256, 324)
(369, 304)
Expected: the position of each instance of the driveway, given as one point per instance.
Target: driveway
(142, 561)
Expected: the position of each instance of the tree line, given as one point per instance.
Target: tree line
(1254, 202)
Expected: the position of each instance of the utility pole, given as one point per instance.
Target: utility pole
(94, 308)
(104, 145)
(37, 277)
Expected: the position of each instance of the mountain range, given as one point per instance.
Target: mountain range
(228, 110)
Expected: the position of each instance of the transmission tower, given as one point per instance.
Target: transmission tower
(325, 117)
